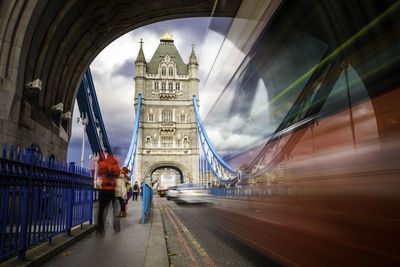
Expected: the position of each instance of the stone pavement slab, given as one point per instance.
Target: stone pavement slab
(124, 248)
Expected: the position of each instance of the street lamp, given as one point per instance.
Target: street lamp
(84, 120)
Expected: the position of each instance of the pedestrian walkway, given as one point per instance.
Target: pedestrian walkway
(136, 244)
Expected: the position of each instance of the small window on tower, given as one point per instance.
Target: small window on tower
(166, 141)
(151, 118)
(178, 86)
(170, 86)
(178, 142)
(163, 71)
(155, 142)
(170, 71)
(148, 141)
(166, 116)
(183, 118)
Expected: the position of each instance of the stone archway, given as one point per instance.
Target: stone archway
(186, 175)
(55, 41)
(169, 167)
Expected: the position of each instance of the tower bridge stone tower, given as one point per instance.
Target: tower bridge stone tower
(167, 128)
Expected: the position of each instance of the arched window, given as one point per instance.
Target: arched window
(178, 86)
(185, 142)
(155, 142)
(178, 142)
(166, 141)
(170, 86)
(163, 71)
(171, 71)
(148, 141)
(166, 116)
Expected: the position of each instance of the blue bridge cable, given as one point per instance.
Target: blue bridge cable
(96, 111)
(89, 105)
(203, 134)
(130, 157)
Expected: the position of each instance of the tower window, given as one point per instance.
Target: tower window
(185, 142)
(155, 142)
(170, 86)
(166, 141)
(148, 141)
(178, 86)
(183, 118)
(163, 71)
(170, 71)
(167, 116)
(163, 86)
(178, 142)
(151, 119)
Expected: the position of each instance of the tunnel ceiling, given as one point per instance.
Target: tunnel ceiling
(62, 38)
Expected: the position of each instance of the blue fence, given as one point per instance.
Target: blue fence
(40, 198)
(147, 197)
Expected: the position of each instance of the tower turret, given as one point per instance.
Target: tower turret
(140, 65)
(193, 65)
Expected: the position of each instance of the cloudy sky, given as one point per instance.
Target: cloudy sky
(113, 72)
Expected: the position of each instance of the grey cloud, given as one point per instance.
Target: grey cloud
(126, 69)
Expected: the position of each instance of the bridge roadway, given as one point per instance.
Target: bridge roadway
(192, 239)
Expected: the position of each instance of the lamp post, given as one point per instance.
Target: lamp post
(84, 120)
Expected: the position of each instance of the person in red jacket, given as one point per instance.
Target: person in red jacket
(108, 173)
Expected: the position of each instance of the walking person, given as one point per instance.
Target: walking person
(120, 190)
(135, 191)
(141, 191)
(108, 173)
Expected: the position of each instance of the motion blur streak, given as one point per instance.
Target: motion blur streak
(312, 117)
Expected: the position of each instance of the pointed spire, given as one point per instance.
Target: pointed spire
(140, 56)
(193, 58)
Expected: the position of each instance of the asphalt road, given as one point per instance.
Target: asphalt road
(194, 240)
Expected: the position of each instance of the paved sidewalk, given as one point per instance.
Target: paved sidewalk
(136, 244)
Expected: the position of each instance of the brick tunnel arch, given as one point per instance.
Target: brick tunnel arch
(55, 41)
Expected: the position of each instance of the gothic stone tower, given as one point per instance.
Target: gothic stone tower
(167, 129)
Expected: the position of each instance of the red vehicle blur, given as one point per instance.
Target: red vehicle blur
(329, 171)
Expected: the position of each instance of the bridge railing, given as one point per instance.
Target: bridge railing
(147, 198)
(39, 199)
(258, 192)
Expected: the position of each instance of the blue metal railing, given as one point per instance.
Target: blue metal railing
(39, 199)
(147, 198)
(258, 192)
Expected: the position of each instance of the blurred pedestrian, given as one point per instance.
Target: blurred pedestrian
(141, 191)
(135, 191)
(108, 173)
(120, 190)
